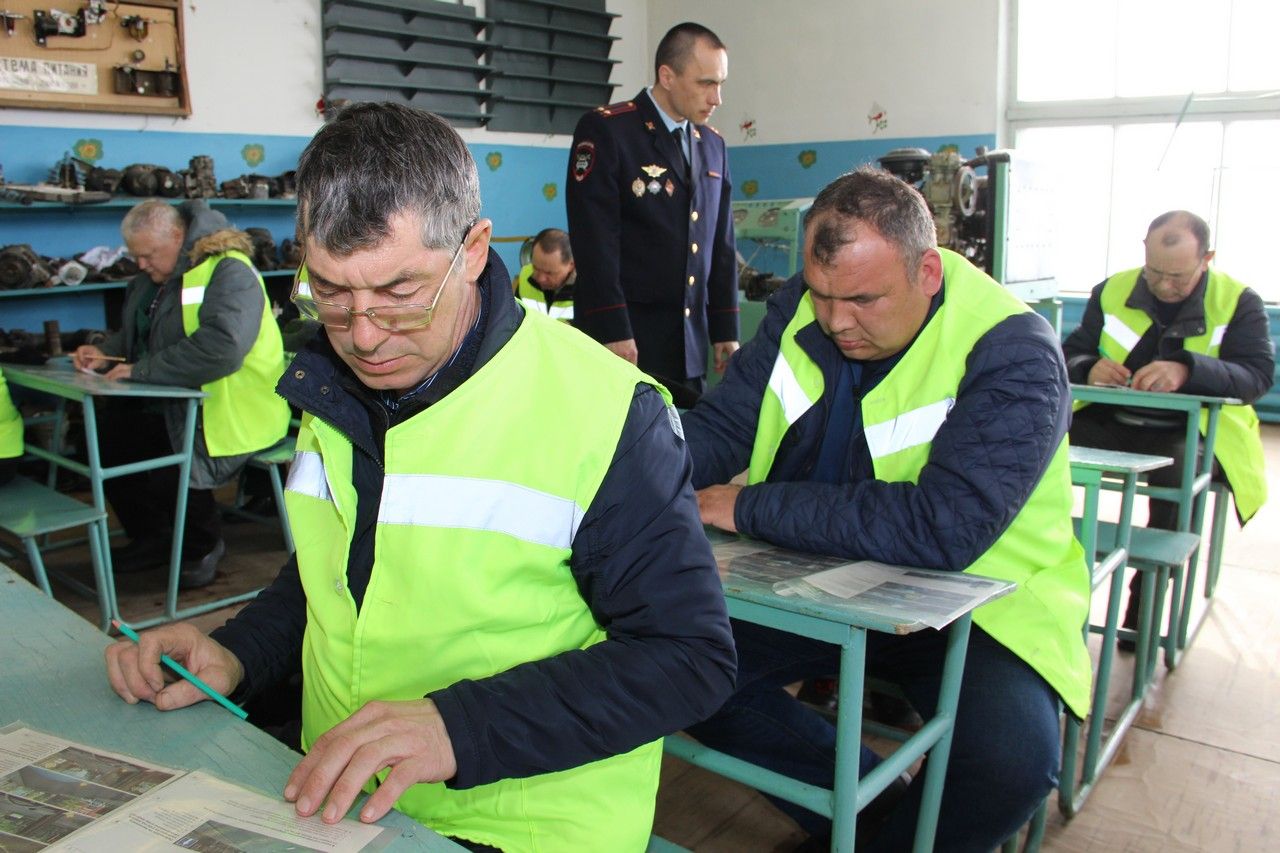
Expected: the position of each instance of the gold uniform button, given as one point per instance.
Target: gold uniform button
(691, 281)
(694, 248)
(686, 312)
(694, 216)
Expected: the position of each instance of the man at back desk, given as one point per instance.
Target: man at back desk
(898, 405)
(1175, 325)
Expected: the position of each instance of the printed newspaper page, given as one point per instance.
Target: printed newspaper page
(56, 795)
(913, 598)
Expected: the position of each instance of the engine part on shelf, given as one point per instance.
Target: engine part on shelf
(27, 193)
(755, 284)
(125, 268)
(955, 193)
(248, 186)
(906, 163)
(264, 249)
(145, 179)
(68, 271)
(287, 184)
(290, 253)
(21, 268)
(52, 338)
(131, 80)
(64, 174)
(198, 178)
(100, 179)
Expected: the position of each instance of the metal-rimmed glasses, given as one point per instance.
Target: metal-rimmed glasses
(390, 318)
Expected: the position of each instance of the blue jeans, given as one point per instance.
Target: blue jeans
(1005, 752)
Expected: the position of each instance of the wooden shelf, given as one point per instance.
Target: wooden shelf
(63, 289)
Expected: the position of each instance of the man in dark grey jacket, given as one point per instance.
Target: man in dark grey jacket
(167, 243)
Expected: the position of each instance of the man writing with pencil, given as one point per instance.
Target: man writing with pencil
(196, 315)
(492, 641)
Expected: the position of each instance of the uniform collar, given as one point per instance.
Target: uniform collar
(667, 120)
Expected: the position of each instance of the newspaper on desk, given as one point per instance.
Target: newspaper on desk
(57, 795)
(908, 596)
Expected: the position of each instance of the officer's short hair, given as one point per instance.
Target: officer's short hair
(554, 240)
(676, 47)
(150, 217)
(1187, 221)
(377, 160)
(873, 197)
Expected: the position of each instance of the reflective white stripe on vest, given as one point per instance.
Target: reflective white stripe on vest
(192, 295)
(561, 312)
(432, 500)
(1219, 332)
(534, 304)
(908, 429)
(306, 476)
(785, 386)
(1120, 333)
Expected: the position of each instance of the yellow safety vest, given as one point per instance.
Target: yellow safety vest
(242, 413)
(1042, 620)
(10, 424)
(471, 577)
(535, 298)
(1238, 447)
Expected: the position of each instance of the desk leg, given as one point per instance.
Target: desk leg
(844, 819)
(180, 511)
(935, 767)
(106, 578)
(1200, 501)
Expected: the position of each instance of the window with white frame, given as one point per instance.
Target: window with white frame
(1141, 106)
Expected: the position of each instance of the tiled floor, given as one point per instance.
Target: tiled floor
(1200, 770)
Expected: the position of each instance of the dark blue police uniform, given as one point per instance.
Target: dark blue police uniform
(654, 250)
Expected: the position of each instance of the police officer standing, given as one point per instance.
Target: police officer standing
(648, 207)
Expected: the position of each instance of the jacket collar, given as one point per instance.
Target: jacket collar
(665, 144)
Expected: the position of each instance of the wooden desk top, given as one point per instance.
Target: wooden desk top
(53, 679)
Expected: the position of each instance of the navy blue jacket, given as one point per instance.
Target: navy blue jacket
(634, 222)
(1011, 412)
(640, 560)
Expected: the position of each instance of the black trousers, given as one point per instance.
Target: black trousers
(144, 501)
(1096, 426)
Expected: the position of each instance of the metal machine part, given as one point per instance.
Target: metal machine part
(264, 249)
(136, 26)
(56, 23)
(198, 178)
(290, 253)
(775, 225)
(756, 285)
(22, 268)
(10, 20)
(129, 80)
(956, 194)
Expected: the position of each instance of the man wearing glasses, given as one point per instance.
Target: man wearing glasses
(1175, 325)
(491, 640)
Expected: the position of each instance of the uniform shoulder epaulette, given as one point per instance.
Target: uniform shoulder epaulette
(617, 109)
(713, 130)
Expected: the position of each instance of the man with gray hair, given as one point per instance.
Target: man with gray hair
(196, 315)
(899, 405)
(494, 641)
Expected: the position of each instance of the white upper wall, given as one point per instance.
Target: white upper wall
(254, 67)
(813, 71)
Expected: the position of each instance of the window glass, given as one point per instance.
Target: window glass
(1171, 47)
(1254, 65)
(1053, 60)
(1075, 162)
(1245, 232)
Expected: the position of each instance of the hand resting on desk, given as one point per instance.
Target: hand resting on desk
(135, 672)
(408, 737)
(1166, 376)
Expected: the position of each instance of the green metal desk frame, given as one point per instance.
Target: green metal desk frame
(1090, 469)
(756, 602)
(1190, 496)
(66, 383)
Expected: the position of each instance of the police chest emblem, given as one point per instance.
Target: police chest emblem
(669, 187)
(584, 159)
(653, 171)
(637, 187)
(654, 186)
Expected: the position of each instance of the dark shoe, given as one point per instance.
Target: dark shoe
(870, 820)
(893, 711)
(139, 555)
(201, 571)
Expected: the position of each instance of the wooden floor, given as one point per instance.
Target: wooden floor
(1200, 770)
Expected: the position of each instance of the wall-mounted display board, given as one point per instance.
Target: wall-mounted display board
(94, 55)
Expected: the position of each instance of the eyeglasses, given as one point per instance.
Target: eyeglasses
(1179, 278)
(390, 318)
